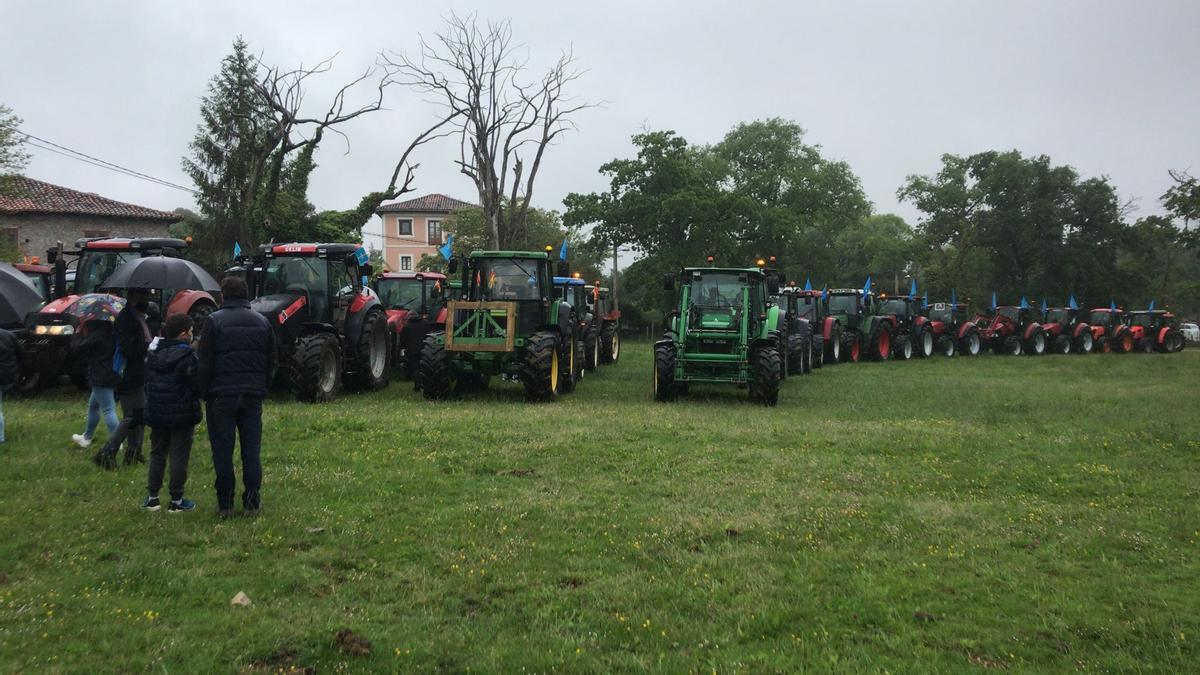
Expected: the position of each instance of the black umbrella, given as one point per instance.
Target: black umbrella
(18, 295)
(162, 272)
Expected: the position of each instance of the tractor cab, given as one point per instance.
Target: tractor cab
(1013, 330)
(904, 307)
(403, 293)
(454, 289)
(602, 341)
(1106, 319)
(572, 291)
(522, 279)
(850, 305)
(41, 276)
(1065, 332)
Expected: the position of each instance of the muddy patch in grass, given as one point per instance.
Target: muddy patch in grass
(349, 642)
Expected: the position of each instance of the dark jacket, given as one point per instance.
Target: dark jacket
(171, 400)
(237, 352)
(10, 358)
(96, 345)
(133, 343)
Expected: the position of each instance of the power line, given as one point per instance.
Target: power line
(96, 161)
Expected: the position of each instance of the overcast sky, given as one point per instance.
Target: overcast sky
(1111, 88)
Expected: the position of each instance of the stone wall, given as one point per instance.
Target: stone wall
(36, 233)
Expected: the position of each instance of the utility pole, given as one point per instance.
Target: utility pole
(616, 303)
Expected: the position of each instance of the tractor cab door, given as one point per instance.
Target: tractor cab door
(343, 288)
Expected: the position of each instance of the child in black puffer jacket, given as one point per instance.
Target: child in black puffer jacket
(172, 411)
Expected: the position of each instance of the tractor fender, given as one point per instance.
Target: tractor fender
(360, 307)
(1080, 329)
(440, 318)
(564, 318)
(1138, 332)
(804, 328)
(920, 321)
(827, 328)
(1031, 329)
(668, 338)
(183, 302)
(965, 328)
(1162, 333)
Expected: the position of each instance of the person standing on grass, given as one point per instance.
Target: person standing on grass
(95, 345)
(133, 339)
(10, 368)
(172, 411)
(237, 364)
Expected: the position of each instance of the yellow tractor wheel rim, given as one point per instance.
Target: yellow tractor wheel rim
(554, 370)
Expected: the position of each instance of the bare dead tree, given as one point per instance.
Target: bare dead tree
(504, 123)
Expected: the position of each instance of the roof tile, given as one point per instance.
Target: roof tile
(434, 203)
(20, 194)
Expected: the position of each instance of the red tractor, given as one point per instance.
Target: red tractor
(952, 332)
(328, 323)
(1155, 330)
(1012, 330)
(416, 306)
(1109, 332)
(1065, 333)
(42, 277)
(49, 332)
(605, 331)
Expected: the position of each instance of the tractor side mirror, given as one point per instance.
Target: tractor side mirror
(452, 265)
(668, 282)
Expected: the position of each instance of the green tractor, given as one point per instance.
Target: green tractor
(866, 332)
(723, 330)
(510, 323)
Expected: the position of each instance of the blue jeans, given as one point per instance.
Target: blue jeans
(240, 414)
(101, 402)
(3, 389)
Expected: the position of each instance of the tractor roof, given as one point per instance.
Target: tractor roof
(723, 270)
(1157, 312)
(30, 268)
(319, 250)
(419, 276)
(847, 291)
(567, 281)
(129, 243)
(534, 255)
(603, 289)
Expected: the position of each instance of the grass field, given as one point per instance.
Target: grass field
(935, 515)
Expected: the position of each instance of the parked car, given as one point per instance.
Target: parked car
(1191, 332)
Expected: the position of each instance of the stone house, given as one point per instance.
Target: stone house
(34, 215)
(415, 227)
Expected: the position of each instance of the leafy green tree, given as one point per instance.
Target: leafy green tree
(13, 158)
(881, 246)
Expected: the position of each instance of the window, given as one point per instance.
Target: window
(404, 227)
(435, 233)
(406, 261)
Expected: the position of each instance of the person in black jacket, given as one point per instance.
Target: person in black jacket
(237, 364)
(10, 368)
(95, 344)
(133, 339)
(172, 411)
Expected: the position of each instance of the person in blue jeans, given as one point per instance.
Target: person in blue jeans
(10, 369)
(95, 344)
(237, 363)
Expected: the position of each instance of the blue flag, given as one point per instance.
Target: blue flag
(925, 301)
(1024, 303)
(913, 289)
(994, 301)
(1072, 304)
(867, 286)
(445, 250)
(1112, 305)
(1045, 307)
(953, 300)
(824, 292)
(237, 250)
(1151, 308)
(562, 252)
(808, 284)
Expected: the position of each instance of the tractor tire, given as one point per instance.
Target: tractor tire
(541, 371)
(29, 383)
(664, 372)
(1124, 344)
(833, 347)
(806, 352)
(316, 368)
(818, 352)
(795, 357)
(372, 354)
(591, 350)
(610, 344)
(1084, 343)
(945, 345)
(569, 365)
(851, 347)
(923, 344)
(902, 347)
(1146, 345)
(881, 346)
(1036, 345)
(1011, 346)
(768, 366)
(1173, 342)
(436, 377)
(1103, 345)
(1062, 344)
(970, 344)
(199, 313)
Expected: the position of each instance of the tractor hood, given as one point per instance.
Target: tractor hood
(718, 319)
(279, 308)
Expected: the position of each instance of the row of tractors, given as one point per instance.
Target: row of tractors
(336, 326)
(739, 326)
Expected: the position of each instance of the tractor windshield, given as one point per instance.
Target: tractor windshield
(941, 312)
(717, 289)
(894, 306)
(295, 274)
(1059, 316)
(42, 283)
(506, 279)
(1013, 313)
(806, 306)
(1100, 318)
(1143, 320)
(401, 293)
(843, 304)
(96, 266)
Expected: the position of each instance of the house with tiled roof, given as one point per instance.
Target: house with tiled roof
(34, 215)
(416, 227)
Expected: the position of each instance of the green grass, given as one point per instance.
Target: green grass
(934, 515)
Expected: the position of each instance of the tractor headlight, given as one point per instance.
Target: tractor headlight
(54, 330)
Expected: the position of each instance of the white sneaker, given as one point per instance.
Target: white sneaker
(81, 440)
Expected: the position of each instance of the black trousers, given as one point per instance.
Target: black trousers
(175, 444)
(132, 426)
(231, 418)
